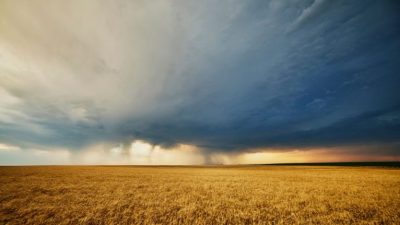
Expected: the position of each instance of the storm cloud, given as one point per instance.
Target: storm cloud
(224, 76)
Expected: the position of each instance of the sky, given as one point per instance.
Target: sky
(198, 82)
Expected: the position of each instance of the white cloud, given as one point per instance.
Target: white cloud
(138, 153)
(8, 148)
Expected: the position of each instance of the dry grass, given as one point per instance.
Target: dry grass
(199, 195)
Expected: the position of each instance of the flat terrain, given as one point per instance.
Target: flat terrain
(199, 195)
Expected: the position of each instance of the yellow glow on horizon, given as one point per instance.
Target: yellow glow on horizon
(272, 157)
(310, 155)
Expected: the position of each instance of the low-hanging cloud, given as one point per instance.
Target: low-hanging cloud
(222, 76)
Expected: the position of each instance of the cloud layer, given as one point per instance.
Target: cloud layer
(224, 76)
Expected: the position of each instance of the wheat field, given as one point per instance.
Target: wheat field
(199, 195)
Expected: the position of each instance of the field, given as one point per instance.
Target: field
(199, 195)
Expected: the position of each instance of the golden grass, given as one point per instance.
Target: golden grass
(199, 195)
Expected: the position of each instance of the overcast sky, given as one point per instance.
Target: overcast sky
(189, 82)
